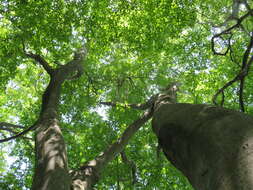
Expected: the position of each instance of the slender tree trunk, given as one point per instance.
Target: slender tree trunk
(51, 165)
(212, 146)
(51, 160)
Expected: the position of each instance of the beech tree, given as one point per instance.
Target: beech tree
(80, 81)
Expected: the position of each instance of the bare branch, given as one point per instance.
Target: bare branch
(246, 53)
(244, 72)
(42, 62)
(88, 174)
(238, 23)
(15, 133)
(226, 32)
(223, 98)
(10, 128)
(118, 146)
(239, 77)
(169, 93)
(241, 94)
(4, 125)
(221, 90)
(18, 135)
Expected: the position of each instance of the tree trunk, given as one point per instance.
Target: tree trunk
(212, 146)
(51, 160)
(51, 166)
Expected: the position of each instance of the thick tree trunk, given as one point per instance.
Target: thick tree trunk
(212, 146)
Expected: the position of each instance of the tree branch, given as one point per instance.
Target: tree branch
(134, 106)
(241, 102)
(4, 125)
(88, 174)
(246, 54)
(238, 23)
(228, 31)
(15, 133)
(143, 106)
(42, 62)
(246, 63)
(18, 135)
(213, 45)
(221, 90)
(119, 145)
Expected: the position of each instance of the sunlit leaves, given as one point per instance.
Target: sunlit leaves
(135, 48)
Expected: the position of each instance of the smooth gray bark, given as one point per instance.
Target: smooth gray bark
(212, 146)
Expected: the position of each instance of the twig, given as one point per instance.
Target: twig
(246, 53)
(143, 106)
(134, 106)
(241, 94)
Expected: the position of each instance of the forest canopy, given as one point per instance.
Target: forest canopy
(133, 50)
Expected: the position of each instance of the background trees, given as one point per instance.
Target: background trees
(134, 49)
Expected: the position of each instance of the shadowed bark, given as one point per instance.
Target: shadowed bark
(51, 165)
(212, 146)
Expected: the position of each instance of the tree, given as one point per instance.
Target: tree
(80, 55)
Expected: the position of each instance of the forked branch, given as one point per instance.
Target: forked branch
(228, 31)
(245, 67)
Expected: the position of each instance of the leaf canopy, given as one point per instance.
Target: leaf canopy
(135, 48)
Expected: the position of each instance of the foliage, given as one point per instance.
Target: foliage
(135, 48)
